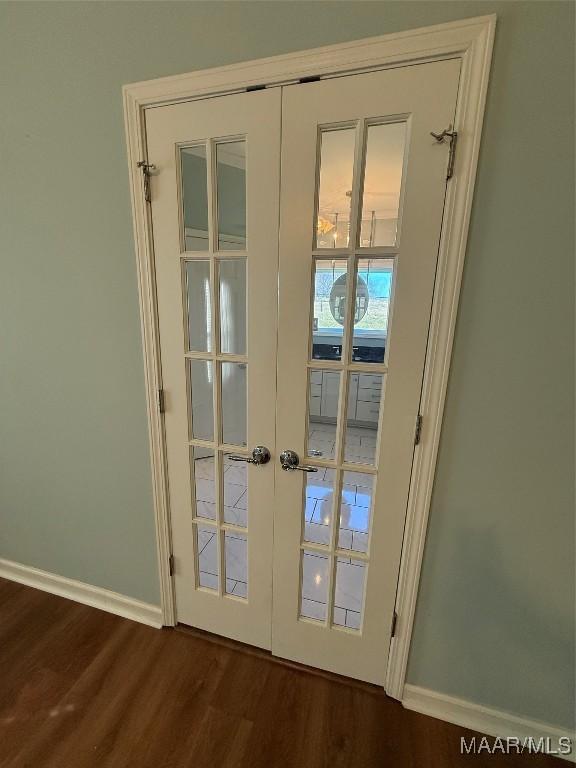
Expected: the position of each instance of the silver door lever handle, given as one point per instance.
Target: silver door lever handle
(260, 455)
(290, 461)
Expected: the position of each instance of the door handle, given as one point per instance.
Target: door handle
(260, 455)
(290, 461)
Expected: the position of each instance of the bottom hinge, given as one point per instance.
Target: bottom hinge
(171, 565)
(161, 401)
(394, 621)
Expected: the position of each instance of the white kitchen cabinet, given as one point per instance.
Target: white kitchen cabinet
(315, 404)
(364, 394)
(369, 395)
(367, 411)
(316, 377)
(370, 381)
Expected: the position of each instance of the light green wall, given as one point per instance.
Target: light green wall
(495, 615)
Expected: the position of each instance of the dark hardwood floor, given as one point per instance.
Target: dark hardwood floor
(80, 687)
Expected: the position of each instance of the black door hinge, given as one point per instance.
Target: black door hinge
(161, 401)
(418, 430)
(393, 627)
(171, 565)
(146, 169)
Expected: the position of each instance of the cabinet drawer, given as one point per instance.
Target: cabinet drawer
(315, 390)
(370, 381)
(367, 411)
(315, 377)
(315, 406)
(369, 395)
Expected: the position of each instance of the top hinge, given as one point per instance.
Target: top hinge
(418, 431)
(448, 133)
(161, 401)
(147, 169)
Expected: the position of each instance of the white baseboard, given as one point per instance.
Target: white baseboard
(97, 597)
(492, 722)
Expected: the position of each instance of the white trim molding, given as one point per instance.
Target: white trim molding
(493, 722)
(96, 597)
(470, 40)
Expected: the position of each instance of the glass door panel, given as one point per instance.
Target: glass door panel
(232, 306)
(231, 195)
(383, 173)
(199, 305)
(335, 171)
(194, 179)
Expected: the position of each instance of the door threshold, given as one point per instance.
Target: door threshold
(251, 650)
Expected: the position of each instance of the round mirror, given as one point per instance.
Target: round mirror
(338, 299)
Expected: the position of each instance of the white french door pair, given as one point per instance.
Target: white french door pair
(296, 233)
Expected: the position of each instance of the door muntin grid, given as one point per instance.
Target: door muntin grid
(216, 362)
(335, 528)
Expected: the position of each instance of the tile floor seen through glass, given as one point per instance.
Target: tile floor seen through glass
(235, 513)
(360, 445)
(355, 513)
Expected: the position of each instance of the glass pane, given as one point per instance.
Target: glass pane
(335, 191)
(207, 549)
(314, 596)
(382, 182)
(199, 305)
(349, 593)
(201, 386)
(232, 273)
(235, 492)
(231, 180)
(203, 480)
(236, 553)
(373, 292)
(364, 396)
(194, 198)
(324, 391)
(234, 403)
(355, 511)
(319, 501)
(328, 315)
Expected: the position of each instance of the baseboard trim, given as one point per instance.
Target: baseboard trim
(492, 722)
(96, 597)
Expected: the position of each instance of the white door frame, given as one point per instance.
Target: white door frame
(471, 40)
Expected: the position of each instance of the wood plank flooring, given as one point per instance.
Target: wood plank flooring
(81, 688)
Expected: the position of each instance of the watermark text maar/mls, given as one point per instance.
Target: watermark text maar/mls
(512, 745)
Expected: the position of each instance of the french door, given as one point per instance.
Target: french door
(362, 196)
(215, 226)
(290, 444)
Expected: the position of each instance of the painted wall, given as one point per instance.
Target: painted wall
(495, 616)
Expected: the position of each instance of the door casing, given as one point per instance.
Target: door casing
(470, 40)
